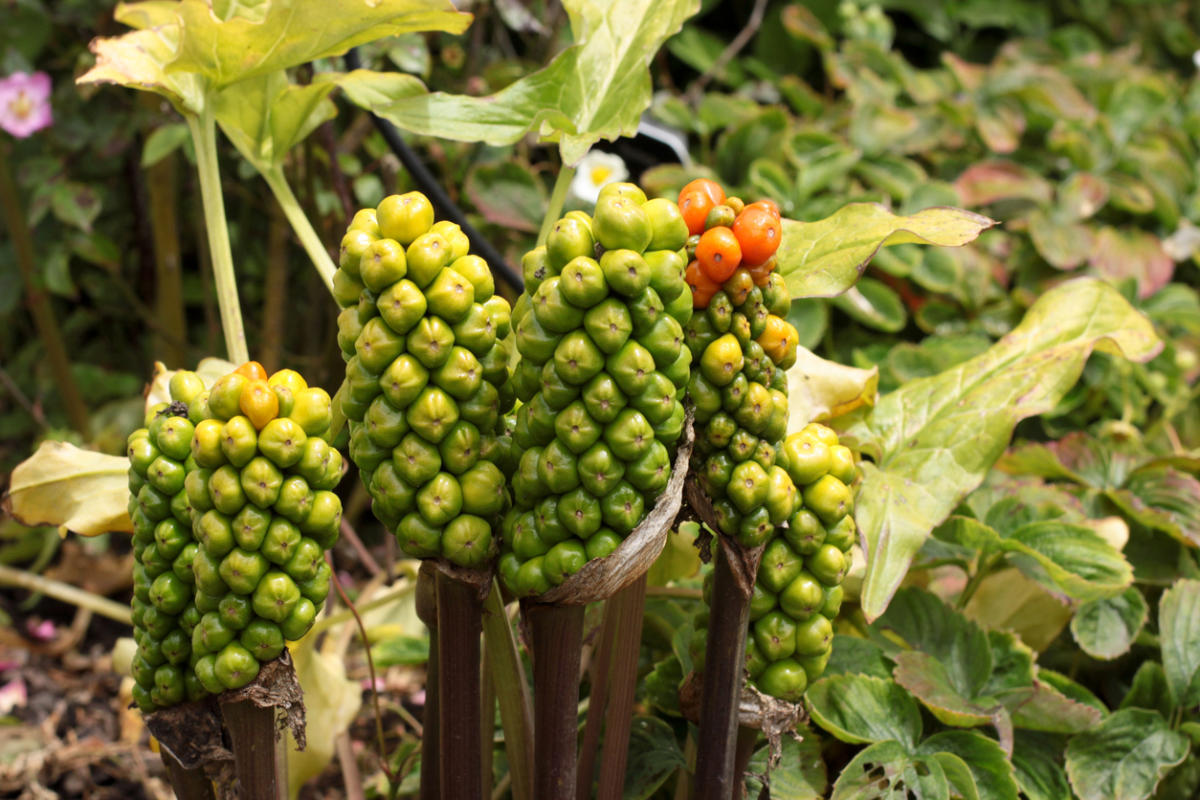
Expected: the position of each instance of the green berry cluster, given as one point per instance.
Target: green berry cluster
(601, 377)
(426, 378)
(798, 591)
(233, 512)
(740, 394)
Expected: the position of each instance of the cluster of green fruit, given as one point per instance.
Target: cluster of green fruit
(426, 378)
(798, 591)
(233, 511)
(601, 378)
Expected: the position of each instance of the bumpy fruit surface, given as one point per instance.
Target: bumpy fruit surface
(422, 334)
(601, 379)
(232, 487)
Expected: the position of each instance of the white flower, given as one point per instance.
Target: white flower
(595, 171)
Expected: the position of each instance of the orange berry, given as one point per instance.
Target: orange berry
(695, 206)
(758, 231)
(252, 370)
(761, 273)
(709, 187)
(769, 205)
(259, 403)
(703, 287)
(719, 253)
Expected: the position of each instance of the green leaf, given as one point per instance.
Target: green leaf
(994, 777)
(679, 559)
(852, 655)
(800, 774)
(1068, 558)
(76, 204)
(140, 60)
(1007, 600)
(164, 140)
(1036, 766)
(595, 89)
(925, 623)
(1106, 627)
(266, 116)
(1047, 709)
(934, 439)
(1149, 690)
(874, 304)
(931, 682)
(76, 490)
(825, 258)
(859, 709)
(654, 756)
(744, 142)
(400, 650)
(1164, 499)
(990, 181)
(1179, 632)
(886, 771)
(507, 194)
(1125, 757)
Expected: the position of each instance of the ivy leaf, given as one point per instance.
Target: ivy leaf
(934, 439)
(819, 389)
(76, 490)
(1125, 757)
(859, 709)
(990, 767)
(886, 771)
(1106, 627)
(1179, 632)
(825, 258)
(595, 89)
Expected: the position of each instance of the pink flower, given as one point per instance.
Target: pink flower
(25, 103)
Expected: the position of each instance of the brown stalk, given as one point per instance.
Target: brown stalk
(430, 733)
(557, 641)
(628, 607)
(459, 609)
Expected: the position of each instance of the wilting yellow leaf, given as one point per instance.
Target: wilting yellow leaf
(76, 490)
(820, 389)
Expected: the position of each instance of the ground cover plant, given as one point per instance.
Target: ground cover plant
(782, 471)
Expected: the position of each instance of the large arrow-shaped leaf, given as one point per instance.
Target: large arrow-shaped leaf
(77, 490)
(595, 89)
(934, 439)
(825, 258)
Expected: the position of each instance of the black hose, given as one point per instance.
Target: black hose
(446, 208)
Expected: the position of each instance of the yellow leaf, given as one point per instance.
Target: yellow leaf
(331, 702)
(1008, 601)
(821, 390)
(77, 490)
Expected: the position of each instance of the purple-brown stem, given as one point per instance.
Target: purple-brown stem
(460, 610)
(427, 613)
(557, 640)
(627, 607)
(258, 750)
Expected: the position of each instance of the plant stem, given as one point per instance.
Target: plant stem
(723, 660)
(162, 185)
(557, 641)
(512, 694)
(258, 750)
(66, 593)
(557, 197)
(747, 738)
(627, 607)
(275, 292)
(986, 562)
(304, 230)
(427, 613)
(597, 701)
(459, 626)
(204, 137)
(189, 784)
(487, 719)
(39, 305)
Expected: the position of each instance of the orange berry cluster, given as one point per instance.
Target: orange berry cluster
(727, 234)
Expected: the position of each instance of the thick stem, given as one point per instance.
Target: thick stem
(162, 184)
(258, 750)
(66, 593)
(723, 661)
(487, 719)
(597, 701)
(39, 304)
(189, 784)
(459, 626)
(512, 694)
(275, 293)
(557, 640)
(308, 237)
(430, 734)
(627, 607)
(747, 738)
(204, 137)
(557, 197)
